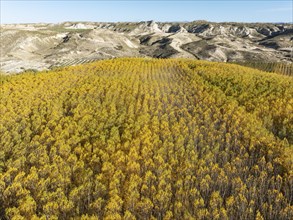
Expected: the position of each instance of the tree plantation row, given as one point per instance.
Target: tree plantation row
(146, 139)
(277, 67)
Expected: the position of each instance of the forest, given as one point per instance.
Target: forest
(139, 138)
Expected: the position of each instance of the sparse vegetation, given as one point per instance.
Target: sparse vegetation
(282, 68)
(41, 46)
(73, 62)
(62, 29)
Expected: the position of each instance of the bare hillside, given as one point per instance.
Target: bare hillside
(42, 46)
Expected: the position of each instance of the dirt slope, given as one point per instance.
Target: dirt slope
(41, 46)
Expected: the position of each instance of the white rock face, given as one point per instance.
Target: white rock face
(81, 26)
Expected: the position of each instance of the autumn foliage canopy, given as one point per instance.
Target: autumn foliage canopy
(146, 139)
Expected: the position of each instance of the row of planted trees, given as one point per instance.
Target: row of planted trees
(276, 67)
(145, 139)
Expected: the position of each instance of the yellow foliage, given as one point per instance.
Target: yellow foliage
(138, 138)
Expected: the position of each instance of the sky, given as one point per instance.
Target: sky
(54, 11)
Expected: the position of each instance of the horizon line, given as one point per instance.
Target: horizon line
(157, 21)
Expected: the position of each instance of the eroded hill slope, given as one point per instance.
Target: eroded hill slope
(41, 46)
